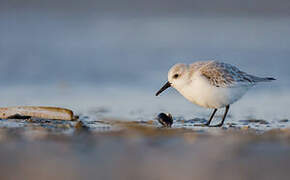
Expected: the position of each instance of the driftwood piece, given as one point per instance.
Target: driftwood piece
(54, 113)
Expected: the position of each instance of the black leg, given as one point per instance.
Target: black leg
(225, 115)
(210, 119)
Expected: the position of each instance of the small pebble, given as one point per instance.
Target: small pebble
(165, 119)
(80, 126)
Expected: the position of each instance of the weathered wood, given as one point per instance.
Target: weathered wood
(54, 113)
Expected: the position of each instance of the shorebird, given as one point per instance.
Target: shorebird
(211, 84)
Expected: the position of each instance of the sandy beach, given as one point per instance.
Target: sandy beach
(117, 136)
(112, 149)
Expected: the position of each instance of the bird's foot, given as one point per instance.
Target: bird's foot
(217, 125)
(202, 125)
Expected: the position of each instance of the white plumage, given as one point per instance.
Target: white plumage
(211, 84)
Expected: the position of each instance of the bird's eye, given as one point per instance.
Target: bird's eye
(175, 76)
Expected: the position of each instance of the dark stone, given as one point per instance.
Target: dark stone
(165, 119)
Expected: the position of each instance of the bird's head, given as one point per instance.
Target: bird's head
(176, 77)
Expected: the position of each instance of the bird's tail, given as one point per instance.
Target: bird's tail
(265, 79)
(270, 79)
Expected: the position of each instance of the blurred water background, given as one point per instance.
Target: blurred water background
(113, 55)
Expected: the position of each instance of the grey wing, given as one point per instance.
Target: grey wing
(226, 75)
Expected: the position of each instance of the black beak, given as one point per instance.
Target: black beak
(167, 85)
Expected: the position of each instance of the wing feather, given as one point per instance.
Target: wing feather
(225, 75)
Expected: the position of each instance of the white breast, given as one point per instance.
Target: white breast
(202, 93)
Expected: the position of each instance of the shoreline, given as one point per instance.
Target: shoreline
(142, 150)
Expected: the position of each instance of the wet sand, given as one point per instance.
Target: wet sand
(112, 149)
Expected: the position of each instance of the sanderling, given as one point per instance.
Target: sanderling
(211, 84)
